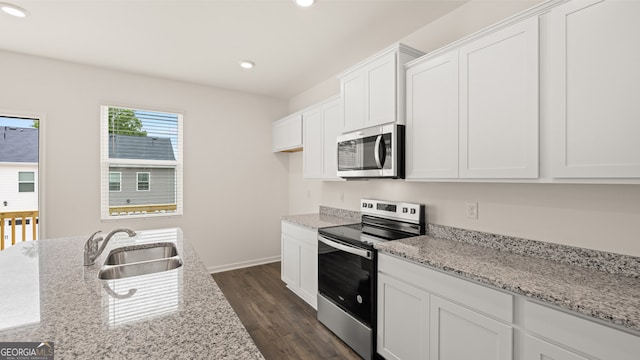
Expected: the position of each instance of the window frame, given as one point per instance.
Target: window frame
(106, 163)
(20, 182)
(119, 181)
(138, 173)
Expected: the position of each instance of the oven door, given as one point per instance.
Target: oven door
(345, 277)
(372, 152)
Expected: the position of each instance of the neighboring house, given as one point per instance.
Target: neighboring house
(141, 185)
(18, 176)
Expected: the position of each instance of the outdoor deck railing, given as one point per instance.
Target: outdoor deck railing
(23, 215)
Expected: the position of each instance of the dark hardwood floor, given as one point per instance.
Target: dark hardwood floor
(282, 325)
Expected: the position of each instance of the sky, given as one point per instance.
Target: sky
(15, 122)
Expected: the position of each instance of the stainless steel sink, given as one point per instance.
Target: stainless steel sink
(110, 272)
(139, 253)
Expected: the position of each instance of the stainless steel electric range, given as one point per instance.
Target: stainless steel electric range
(347, 269)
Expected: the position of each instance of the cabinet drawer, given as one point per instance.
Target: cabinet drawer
(484, 299)
(580, 334)
(300, 233)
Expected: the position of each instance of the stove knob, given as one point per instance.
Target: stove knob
(370, 206)
(413, 211)
(364, 205)
(404, 210)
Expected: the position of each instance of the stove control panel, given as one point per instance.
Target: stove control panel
(409, 212)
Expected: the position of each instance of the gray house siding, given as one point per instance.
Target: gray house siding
(162, 186)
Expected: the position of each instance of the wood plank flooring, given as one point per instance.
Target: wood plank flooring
(281, 324)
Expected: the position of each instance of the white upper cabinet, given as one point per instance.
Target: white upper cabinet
(332, 127)
(322, 124)
(432, 118)
(287, 133)
(499, 104)
(373, 90)
(595, 83)
(472, 110)
(312, 153)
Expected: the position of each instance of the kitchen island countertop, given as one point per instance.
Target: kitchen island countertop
(48, 295)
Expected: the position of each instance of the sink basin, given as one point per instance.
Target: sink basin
(139, 268)
(146, 252)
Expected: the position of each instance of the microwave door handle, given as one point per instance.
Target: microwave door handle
(351, 250)
(376, 154)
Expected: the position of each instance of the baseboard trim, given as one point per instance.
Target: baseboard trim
(243, 264)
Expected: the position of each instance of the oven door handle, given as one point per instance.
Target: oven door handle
(351, 250)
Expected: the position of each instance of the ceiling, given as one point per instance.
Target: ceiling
(202, 41)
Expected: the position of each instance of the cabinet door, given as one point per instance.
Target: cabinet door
(535, 349)
(458, 333)
(309, 274)
(403, 320)
(287, 133)
(432, 118)
(499, 104)
(381, 88)
(353, 94)
(312, 151)
(332, 121)
(290, 265)
(595, 82)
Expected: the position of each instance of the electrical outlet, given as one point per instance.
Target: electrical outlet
(472, 210)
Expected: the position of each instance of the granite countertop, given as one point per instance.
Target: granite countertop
(614, 298)
(48, 295)
(326, 217)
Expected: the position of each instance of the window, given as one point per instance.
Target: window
(26, 181)
(136, 147)
(115, 181)
(143, 181)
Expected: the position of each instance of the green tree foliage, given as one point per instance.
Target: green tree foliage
(125, 122)
(36, 124)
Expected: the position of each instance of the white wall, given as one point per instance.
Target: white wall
(231, 178)
(603, 217)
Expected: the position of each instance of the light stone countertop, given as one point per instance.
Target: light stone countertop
(48, 295)
(613, 298)
(327, 217)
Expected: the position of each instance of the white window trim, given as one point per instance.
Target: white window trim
(119, 181)
(106, 162)
(27, 182)
(138, 180)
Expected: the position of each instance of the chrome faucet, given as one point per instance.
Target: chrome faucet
(91, 250)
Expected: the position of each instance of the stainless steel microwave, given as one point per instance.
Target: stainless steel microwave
(376, 152)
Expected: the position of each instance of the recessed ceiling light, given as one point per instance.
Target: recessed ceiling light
(305, 3)
(14, 10)
(246, 64)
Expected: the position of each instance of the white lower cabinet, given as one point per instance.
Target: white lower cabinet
(403, 320)
(536, 349)
(299, 263)
(415, 323)
(427, 314)
(458, 333)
